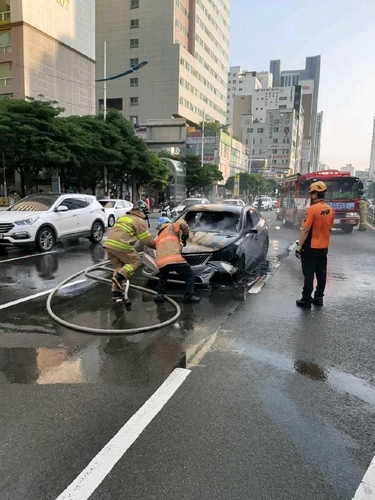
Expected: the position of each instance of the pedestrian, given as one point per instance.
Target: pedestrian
(363, 213)
(259, 204)
(119, 244)
(152, 204)
(313, 243)
(147, 201)
(169, 258)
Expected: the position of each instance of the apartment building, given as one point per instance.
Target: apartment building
(371, 174)
(186, 44)
(309, 79)
(47, 51)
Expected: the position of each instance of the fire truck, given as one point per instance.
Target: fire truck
(343, 192)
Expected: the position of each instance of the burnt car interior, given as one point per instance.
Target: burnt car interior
(222, 222)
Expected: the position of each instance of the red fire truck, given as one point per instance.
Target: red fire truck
(343, 192)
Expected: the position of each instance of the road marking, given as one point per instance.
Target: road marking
(366, 490)
(35, 296)
(101, 465)
(27, 256)
(200, 352)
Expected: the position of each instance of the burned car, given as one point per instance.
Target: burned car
(225, 242)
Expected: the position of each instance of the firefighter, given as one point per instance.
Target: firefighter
(169, 258)
(312, 246)
(363, 212)
(119, 244)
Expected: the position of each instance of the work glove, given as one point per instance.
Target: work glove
(184, 239)
(298, 251)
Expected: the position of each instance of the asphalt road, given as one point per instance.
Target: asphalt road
(279, 403)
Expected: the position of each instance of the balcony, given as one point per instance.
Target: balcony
(5, 17)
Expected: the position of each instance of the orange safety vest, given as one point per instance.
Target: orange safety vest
(168, 247)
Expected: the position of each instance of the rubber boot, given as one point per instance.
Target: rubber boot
(192, 299)
(159, 298)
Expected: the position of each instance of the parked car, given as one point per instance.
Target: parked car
(41, 220)
(189, 202)
(234, 202)
(266, 203)
(115, 209)
(224, 240)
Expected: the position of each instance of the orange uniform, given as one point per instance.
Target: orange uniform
(319, 217)
(168, 247)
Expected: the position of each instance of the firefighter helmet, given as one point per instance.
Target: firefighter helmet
(162, 221)
(317, 187)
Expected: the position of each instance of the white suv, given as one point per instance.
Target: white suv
(40, 220)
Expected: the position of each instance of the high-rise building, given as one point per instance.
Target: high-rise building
(371, 174)
(309, 79)
(47, 51)
(317, 143)
(186, 44)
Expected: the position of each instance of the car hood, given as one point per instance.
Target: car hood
(201, 241)
(13, 216)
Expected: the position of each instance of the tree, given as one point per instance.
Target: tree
(213, 126)
(197, 177)
(27, 131)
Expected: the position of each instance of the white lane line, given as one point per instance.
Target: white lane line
(100, 466)
(27, 256)
(36, 295)
(366, 490)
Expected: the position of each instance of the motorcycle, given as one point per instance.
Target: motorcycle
(167, 208)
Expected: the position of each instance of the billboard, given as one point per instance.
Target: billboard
(71, 22)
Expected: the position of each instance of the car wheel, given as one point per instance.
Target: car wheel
(97, 232)
(347, 229)
(111, 221)
(46, 240)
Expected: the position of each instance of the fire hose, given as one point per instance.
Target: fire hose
(128, 331)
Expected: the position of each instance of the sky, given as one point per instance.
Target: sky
(343, 33)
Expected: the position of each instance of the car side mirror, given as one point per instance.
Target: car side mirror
(61, 208)
(360, 185)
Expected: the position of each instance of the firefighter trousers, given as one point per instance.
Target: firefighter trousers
(124, 262)
(314, 263)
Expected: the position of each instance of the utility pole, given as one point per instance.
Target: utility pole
(105, 172)
(4, 177)
(202, 155)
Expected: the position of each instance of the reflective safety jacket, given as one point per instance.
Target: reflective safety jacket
(129, 229)
(168, 246)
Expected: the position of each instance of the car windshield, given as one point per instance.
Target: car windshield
(213, 222)
(342, 189)
(231, 202)
(191, 203)
(34, 203)
(107, 203)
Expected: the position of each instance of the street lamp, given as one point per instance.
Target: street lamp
(105, 80)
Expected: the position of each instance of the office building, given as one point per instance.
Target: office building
(47, 51)
(309, 79)
(317, 143)
(348, 168)
(186, 44)
(371, 174)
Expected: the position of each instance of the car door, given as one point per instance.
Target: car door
(249, 246)
(66, 222)
(119, 209)
(85, 214)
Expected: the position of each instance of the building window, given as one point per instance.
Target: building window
(240, 90)
(253, 141)
(134, 120)
(6, 75)
(275, 129)
(5, 42)
(134, 62)
(134, 43)
(274, 162)
(276, 121)
(134, 82)
(249, 131)
(253, 152)
(115, 103)
(247, 141)
(234, 81)
(287, 141)
(283, 106)
(134, 4)
(274, 151)
(275, 141)
(134, 23)
(260, 151)
(260, 141)
(283, 98)
(134, 101)
(260, 130)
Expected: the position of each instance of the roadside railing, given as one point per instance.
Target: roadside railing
(371, 216)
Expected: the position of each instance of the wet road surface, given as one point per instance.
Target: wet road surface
(279, 404)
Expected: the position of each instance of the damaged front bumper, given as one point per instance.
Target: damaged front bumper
(212, 273)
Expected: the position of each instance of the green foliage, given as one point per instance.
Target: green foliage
(197, 177)
(253, 184)
(35, 138)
